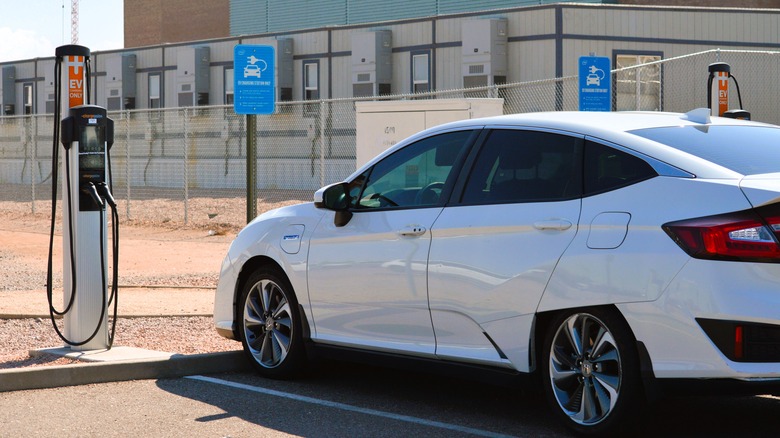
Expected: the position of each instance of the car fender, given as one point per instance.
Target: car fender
(640, 266)
(282, 236)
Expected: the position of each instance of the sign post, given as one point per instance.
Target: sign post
(254, 92)
(595, 83)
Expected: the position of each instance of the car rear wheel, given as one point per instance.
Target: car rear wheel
(591, 374)
(271, 324)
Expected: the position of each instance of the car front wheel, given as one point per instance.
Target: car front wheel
(271, 325)
(591, 374)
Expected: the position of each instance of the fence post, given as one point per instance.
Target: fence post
(127, 161)
(186, 165)
(322, 142)
(32, 146)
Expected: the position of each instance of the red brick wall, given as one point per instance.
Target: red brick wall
(152, 22)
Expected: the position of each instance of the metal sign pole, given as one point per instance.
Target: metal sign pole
(251, 167)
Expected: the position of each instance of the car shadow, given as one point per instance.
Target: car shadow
(466, 403)
(400, 393)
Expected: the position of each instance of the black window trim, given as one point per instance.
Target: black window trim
(456, 198)
(660, 167)
(452, 180)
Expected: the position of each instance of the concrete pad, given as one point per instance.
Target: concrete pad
(112, 355)
(100, 372)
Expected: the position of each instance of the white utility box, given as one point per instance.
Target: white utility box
(385, 123)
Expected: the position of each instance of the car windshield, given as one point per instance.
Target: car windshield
(749, 150)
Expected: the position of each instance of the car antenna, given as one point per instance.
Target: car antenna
(699, 115)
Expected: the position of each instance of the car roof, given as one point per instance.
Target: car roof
(614, 127)
(593, 122)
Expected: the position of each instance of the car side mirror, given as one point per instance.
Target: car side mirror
(335, 197)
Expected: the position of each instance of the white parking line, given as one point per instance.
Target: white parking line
(350, 408)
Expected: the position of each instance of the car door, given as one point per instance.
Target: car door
(493, 250)
(367, 279)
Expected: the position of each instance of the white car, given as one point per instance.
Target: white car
(609, 255)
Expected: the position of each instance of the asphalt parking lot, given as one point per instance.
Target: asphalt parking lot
(339, 399)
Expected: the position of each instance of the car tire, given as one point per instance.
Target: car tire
(590, 371)
(270, 324)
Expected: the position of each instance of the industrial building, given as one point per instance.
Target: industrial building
(346, 48)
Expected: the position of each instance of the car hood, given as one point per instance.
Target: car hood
(761, 189)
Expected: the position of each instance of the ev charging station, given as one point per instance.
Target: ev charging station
(84, 137)
(718, 92)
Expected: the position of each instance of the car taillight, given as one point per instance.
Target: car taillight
(750, 235)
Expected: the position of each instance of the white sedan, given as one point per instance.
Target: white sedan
(608, 255)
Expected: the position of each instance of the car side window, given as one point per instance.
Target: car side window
(607, 168)
(525, 166)
(414, 176)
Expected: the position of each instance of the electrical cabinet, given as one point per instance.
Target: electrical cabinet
(382, 124)
(484, 52)
(121, 82)
(284, 69)
(9, 90)
(372, 63)
(193, 76)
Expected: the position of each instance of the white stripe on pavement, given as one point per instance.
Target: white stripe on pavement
(350, 408)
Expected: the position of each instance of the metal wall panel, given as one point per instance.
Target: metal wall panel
(300, 14)
(248, 17)
(455, 6)
(366, 11)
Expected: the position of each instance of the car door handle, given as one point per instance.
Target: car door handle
(412, 231)
(553, 224)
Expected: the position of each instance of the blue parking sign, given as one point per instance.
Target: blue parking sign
(254, 85)
(595, 84)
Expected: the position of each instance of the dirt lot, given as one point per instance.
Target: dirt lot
(167, 276)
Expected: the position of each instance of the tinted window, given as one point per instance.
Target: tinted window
(413, 176)
(607, 169)
(748, 150)
(525, 166)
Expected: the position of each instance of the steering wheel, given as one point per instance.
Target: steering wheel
(429, 195)
(384, 201)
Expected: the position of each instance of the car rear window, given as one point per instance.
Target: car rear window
(749, 150)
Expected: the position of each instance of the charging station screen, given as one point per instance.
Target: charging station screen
(92, 147)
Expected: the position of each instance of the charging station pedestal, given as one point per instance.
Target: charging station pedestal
(84, 133)
(85, 136)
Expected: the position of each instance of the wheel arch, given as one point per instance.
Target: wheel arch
(544, 319)
(249, 267)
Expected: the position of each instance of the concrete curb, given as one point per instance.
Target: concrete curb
(178, 365)
(148, 315)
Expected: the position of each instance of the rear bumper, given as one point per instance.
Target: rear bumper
(719, 387)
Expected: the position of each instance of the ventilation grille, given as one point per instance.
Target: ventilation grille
(477, 69)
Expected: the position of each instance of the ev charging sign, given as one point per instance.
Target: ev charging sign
(595, 84)
(75, 66)
(254, 85)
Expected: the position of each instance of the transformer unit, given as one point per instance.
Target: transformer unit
(372, 63)
(9, 90)
(484, 52)
(284, 69)
(48, 85)
(193, 65)
(121, 82)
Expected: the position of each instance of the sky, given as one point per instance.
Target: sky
(35, 28)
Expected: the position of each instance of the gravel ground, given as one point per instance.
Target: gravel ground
(183, 335)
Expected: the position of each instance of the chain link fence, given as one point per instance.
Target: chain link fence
(187, 166)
